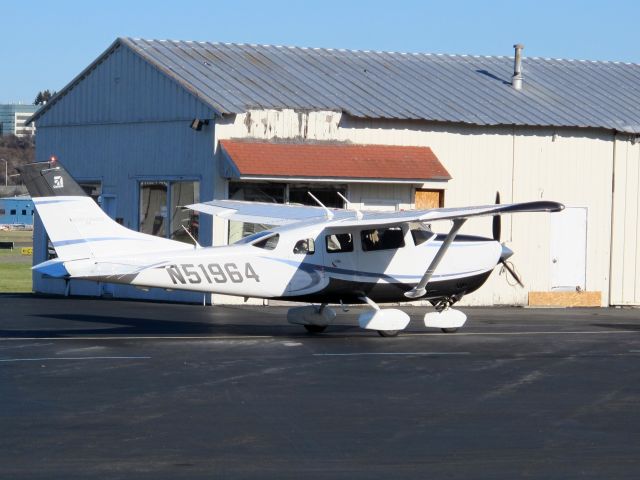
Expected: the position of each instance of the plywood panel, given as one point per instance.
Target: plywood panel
(426, 199)
(565, 299)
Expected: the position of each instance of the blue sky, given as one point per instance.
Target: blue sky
(45, 44)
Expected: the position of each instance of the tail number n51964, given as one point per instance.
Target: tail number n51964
(210, 273)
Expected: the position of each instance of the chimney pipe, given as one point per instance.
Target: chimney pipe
(516, 80)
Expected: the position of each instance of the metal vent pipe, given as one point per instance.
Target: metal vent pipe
(516, 80)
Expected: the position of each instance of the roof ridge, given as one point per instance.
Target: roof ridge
(393, 52)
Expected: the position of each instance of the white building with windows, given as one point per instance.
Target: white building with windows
(13, 118)
(152, 125)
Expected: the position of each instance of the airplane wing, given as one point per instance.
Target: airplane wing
(279, 214)
(435, 214)
(267, 213)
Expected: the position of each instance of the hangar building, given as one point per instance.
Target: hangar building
(151, 125)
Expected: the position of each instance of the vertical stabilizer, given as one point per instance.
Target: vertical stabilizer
(77, 227)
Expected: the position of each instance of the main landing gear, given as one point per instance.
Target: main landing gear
(388, 322)
(315, 319)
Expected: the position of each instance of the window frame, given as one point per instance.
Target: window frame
(169, 181)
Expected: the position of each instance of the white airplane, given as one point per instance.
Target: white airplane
(312, 254)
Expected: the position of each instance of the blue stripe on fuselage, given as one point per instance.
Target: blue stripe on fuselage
(312, 267)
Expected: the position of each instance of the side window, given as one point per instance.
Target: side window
(268, 243)
(382, 239)
(339, 242)
(420, 233)
(305, 247)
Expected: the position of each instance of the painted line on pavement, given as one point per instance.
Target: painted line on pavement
(43, 359)
(319, 337)
(360, 354)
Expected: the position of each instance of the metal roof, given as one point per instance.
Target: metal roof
(234, 78)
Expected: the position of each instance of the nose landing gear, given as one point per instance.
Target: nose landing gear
(447, 319)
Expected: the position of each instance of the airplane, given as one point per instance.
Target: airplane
(312, 254)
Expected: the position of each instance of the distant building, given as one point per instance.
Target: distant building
(13, 118)
(14, 210)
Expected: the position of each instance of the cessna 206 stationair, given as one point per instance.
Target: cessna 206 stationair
(313, 254)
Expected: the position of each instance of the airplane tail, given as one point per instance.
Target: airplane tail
(77, 227)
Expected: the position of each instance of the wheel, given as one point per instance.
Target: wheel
(388, 333)
(449, 330)
(315, 328)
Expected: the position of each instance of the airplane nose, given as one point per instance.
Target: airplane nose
(506, 253)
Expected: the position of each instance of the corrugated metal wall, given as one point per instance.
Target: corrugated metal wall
(126, 123)
(625, 239)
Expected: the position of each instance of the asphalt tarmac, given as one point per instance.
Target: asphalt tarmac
(121, 390)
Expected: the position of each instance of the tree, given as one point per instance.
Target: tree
(43, 97)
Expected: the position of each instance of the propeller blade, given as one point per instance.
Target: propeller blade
(497, 222)
(512, 272)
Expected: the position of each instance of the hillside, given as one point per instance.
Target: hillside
(16, 151)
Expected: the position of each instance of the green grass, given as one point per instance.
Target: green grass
(15, 268)
(15, 277)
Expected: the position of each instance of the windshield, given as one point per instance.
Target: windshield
(251, 238)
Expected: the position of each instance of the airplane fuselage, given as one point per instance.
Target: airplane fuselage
(334, 265)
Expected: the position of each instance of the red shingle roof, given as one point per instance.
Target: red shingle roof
(313, 160)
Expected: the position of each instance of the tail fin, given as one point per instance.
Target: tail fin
(76, 225)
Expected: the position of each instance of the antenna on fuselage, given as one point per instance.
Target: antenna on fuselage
(328, 212)
(195, 242)
(357, 210)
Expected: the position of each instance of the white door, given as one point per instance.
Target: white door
(569, 249)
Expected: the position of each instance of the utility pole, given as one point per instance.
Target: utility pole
(6, 171)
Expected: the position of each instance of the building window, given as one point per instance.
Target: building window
(294, 193)
(24, 212)
(2, 211)
(327, 194)
(161, 212)
(184, 193)
(93, 189)
(253, 192)
(12, 212)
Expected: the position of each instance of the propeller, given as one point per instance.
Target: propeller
(497, 232)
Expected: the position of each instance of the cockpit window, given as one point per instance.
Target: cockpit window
(382, 239)
(305, 247)
(268, 243)
(339, 242)
(420, 233)
(253, 237)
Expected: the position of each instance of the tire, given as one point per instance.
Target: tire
(449, 330)
(388, 333)
(315, 328)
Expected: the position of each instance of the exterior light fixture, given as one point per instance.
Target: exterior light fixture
(197, 123)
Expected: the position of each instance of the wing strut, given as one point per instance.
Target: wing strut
(419, 290)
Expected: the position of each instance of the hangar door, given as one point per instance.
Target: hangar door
(625, 235)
